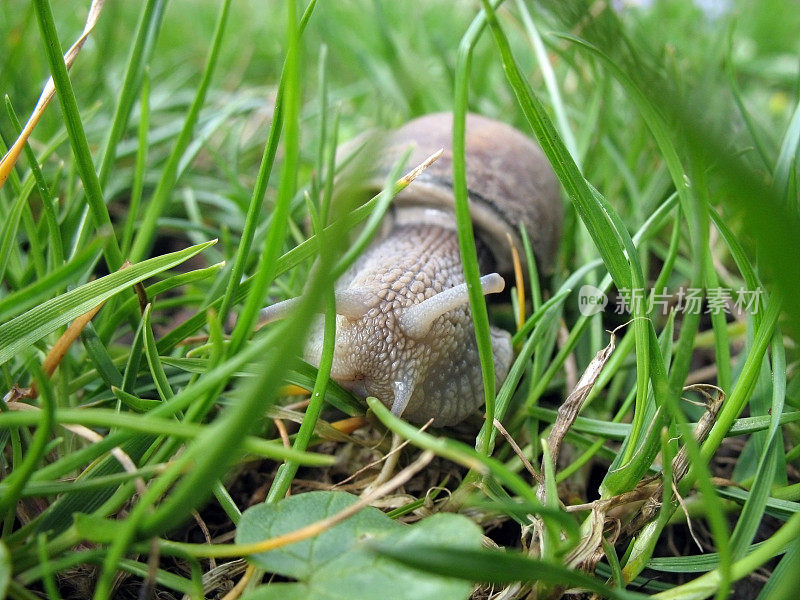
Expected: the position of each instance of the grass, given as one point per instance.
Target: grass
(134, 438)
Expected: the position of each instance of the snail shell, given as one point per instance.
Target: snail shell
(509, 183)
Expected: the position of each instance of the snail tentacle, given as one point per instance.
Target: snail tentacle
(403, 390)
(352, 303)
(416, 321)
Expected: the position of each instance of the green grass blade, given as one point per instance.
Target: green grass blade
(15, 482)
(785, 579)
(146, 231)
(98, 354)
(141, 164)
(744, 385)
(55, 246)
(260, 188)
(77, 135)
(466, 236)
(140, 54)
(148, 424)
(750, 517)
(787, 160)
(288, 184)
(556, 101)
(597, 221)
(154, 362)
(36, 323)
(9, 233)
(287, 471)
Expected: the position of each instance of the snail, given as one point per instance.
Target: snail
(404, 332)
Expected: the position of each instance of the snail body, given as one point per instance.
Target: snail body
(404, 332)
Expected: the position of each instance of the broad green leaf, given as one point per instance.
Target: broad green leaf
(42, 320)
(492, 566)
(339, 562)
(280, 591)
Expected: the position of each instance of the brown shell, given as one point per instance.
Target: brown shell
(509, 182)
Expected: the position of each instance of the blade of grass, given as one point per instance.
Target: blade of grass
(16, 481)
(597, 220)
(740, 395)
(615, 430)
(466, 236)
(40, 489)
(549, 76)
(55, 246)
(706, 585)
(787, 159)
(141, 164)
(148, 424)
(276, 234)
(156, 368)
(750, 517)
(146, 231)
(603, 224)
(98, 354)
(260, 188)
(135, 76)
(786, 577)
(9, 233)
(45, 318)
(287, 471)
(457, 452)
(77, 135)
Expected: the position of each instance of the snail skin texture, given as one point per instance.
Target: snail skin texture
(404, 331)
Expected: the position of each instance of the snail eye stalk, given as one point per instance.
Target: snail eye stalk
(416, 321)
